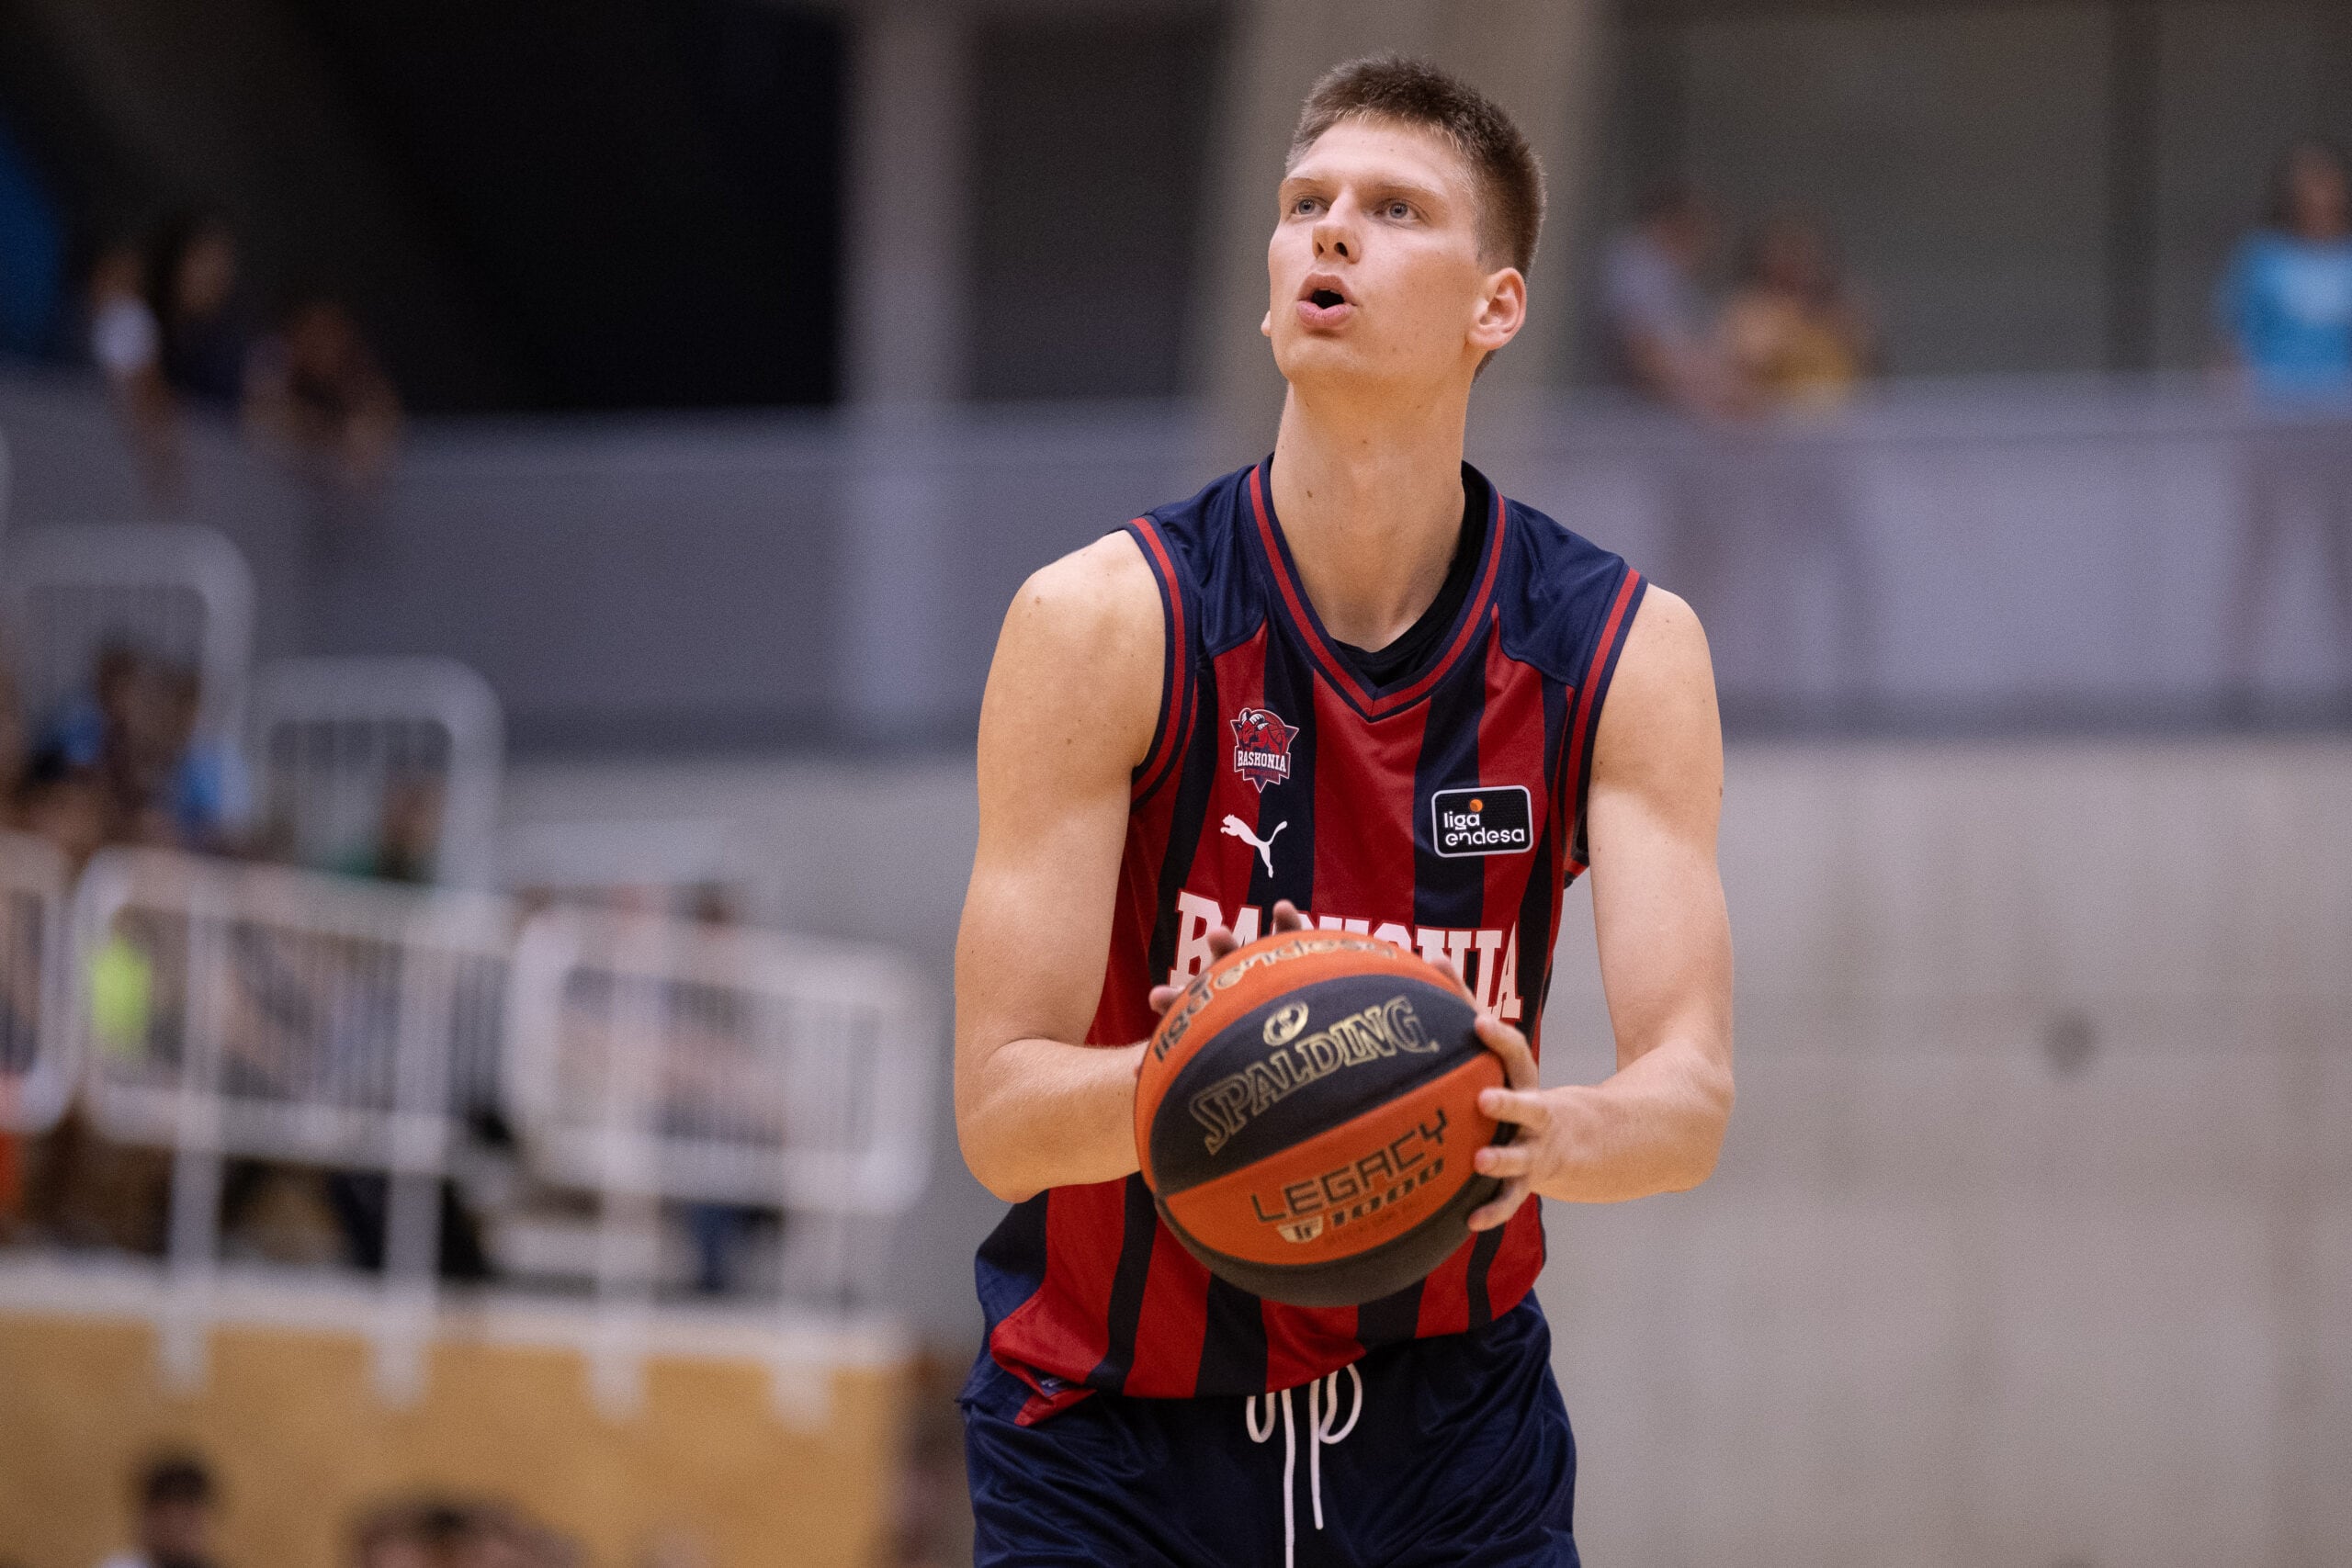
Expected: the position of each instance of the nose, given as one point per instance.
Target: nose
(1335, 239)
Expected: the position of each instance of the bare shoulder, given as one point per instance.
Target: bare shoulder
(1666, 643)
(1102, 592)
(1659, 723)
(1083, 653)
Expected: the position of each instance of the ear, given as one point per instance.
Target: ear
(1266, 327)
(1502, 310)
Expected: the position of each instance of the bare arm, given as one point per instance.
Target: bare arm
(1656, 1124)
(1072, 700)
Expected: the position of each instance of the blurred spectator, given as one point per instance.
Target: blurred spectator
(82, 1191)
(436, 1532)
(205, 792)
(2286, 301)
(12, 1180)
(13, 752)
(77, 732)
(128, 348)
(2286, 304)
(65, 806)
(408, 832)
(1654, 322)
(717, 1231)
(317, 392)
(193, 276)
(278, 1214)
(133, 734)
(361, 1201)
(1791, 335)
(98, 737)
(176, 1501)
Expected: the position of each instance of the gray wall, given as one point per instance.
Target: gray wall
(2030, 1241)
(2004, 555)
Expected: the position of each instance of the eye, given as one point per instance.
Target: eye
(1303, 205)
(1400, 211)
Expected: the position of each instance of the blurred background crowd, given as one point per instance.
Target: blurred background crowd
(502, 526)
(175, 1502)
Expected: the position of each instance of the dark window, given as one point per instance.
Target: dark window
(1090, 137)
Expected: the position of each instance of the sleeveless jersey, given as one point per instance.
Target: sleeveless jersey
(1443, 813)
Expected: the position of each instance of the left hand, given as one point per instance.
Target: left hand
(1529, 1157)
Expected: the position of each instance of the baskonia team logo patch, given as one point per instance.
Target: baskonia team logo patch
(1261, 746)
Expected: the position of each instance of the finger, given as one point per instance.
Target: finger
(1519, 1062)
(1505, 1204)
(1287, 917)
(1220, 944)
(1524, 1108)
(1164, 997)
(1506, 1160)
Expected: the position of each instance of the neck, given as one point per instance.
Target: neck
(1370, 498)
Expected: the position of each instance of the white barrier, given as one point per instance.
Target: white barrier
(334, 736)
(260, 1012)
(39, 1054)
(173, 590)
(654, 1059)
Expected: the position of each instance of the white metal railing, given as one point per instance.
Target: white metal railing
(232, 1011)
(261, 1012)
(347, 747)
(171, 589)
(654, 1059)
(38, 1057)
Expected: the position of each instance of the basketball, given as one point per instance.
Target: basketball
(1306, 1114)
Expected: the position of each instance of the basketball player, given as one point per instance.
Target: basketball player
(1350, 686)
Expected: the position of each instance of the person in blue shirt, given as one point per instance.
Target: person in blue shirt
(133, 732)
(2286, 303)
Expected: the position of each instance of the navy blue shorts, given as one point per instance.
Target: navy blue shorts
(1451, 1451)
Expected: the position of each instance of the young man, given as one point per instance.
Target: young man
(1254, 708)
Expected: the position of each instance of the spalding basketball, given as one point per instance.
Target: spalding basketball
(1306, 1115)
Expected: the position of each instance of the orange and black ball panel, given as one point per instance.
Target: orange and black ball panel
(1306, 1116)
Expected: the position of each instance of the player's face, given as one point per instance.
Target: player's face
(1374, 262)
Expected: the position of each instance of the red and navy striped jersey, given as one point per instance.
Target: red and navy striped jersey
(1443, 813)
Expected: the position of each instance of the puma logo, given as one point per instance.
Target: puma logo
(1235, 829)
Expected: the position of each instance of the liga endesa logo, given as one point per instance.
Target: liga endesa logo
(1485, 820)
(1261, 746)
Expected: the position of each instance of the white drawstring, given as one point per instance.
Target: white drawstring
(1289, 1455)
(1322, 1415)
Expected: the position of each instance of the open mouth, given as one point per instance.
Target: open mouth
(1322, 302)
